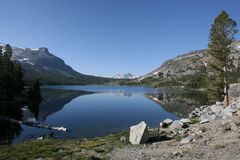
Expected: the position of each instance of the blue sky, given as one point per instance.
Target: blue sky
(104, 37)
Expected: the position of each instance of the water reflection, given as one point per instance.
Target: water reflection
(54, 101)
(181, 103)
(9, 130)
(96, 114)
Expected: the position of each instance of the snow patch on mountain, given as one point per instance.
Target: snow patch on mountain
(125, 76)
(34, 49)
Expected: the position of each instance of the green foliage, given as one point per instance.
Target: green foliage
(195, 120)
(64, 149)
(203, 129)
(220, 38)
(11, 83)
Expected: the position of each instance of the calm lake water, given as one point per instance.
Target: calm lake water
(89, 111)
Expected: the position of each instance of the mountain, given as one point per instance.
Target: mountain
(125, 76)
(41, 64)
(190, 63)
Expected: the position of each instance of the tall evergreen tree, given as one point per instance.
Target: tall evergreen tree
(8, 86)
(220, 40)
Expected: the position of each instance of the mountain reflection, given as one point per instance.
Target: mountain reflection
(53, 101)
(179, 103)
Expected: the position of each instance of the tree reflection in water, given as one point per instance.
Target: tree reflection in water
(9, 130)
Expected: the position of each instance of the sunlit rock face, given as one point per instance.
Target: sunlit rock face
(191, 63)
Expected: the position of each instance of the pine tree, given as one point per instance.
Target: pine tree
(18, 74)
(220, 40)
(7, 54)
(7, 83)
(11, 77)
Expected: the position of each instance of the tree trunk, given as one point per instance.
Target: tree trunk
(226, 97)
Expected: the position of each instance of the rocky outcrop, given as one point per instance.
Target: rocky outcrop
(139, 133)
(190, 63)
(185, 64)
(217, 138)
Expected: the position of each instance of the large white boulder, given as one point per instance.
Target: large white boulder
(139, 133)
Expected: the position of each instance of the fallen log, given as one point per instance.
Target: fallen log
(33, 124)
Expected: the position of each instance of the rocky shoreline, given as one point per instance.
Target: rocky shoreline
(210, 132)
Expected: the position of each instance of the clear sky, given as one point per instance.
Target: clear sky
(104, 37)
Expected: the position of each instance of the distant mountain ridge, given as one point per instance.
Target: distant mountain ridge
(190, 63)
(40, 64)
(125, 76)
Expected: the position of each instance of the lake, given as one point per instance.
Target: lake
(89, 111)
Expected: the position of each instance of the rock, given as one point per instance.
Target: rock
(204, 121)
(178, 154)
(219, 103)
(123, 139)
(161, 125)
(229, 126)
(216, 108)
(206, 118)
(152, 158)
(139, 133)
(226, 113)
(203, 107)
(231, 109)
(234, 90)
(185, 120)
(40, 138)
(186, 140)
(176, 126)
(166, 122)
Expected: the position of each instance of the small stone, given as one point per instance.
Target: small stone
(176, 126)
(40, 138)
(204, 121)
(219, 103)
(123, 139)
(185, 120)
(178, 154)
(166, 122)
(186, 140)
(161, 124)
(229, 126)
